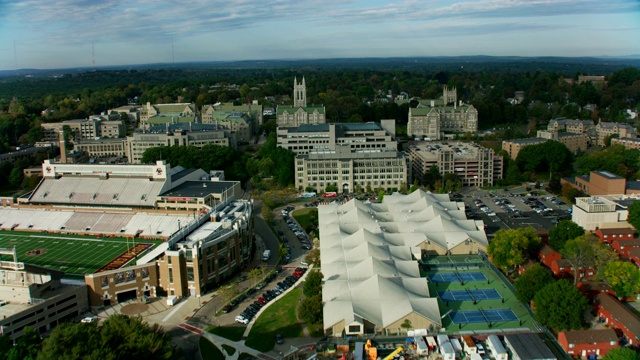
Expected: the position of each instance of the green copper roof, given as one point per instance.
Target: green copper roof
(169, 119)
(290, 109)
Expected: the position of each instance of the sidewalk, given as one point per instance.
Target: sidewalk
(240, 347)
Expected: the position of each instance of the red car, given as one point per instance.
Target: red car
(262, 300)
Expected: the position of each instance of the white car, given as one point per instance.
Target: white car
(240, 319)
(303, 263)
(89, 319)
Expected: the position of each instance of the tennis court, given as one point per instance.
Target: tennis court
(447, 277)
(469, 295)
(482, 316)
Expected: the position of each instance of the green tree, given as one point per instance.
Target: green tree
(119, 337)
(452, 182)
(267, 213)
(255, 275)
(560, 306)
(531, 281)
(380, 195)
(564, 230)
(228, 292)
(509, 247)
(311, 309)
(313, 256)
(580, 253)
(312, 283)
(331, 187)
(634, 214)
(622, 353)
(432, 177)
(623, 277)
(16, 176)
(27, 346)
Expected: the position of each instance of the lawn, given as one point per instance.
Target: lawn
(307, 218)
(75, 255)
(233, 333)
(279, 318)
(209, 351)
(228, 349)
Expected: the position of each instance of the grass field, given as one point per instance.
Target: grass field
(75, 255)
(280, 318)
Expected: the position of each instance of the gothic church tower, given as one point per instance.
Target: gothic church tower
(299, 93)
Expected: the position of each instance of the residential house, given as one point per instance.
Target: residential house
(618, 316)
(609, 235)
(588, 342)
(563, 269)
(548, 255)
(622, 247)
(634, 255)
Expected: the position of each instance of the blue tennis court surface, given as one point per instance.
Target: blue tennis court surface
(469, 295)
(482, 316)
(457, 277)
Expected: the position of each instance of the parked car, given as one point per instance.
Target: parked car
(262, 300)
(279, 339)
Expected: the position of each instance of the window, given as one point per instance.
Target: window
(170, 275)
(354, 328)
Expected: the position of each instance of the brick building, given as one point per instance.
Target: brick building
(608, 235)
(617, 316)
(588, 342)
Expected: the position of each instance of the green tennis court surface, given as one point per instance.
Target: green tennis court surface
(75, 255)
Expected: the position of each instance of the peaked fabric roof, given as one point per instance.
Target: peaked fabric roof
(369, 251)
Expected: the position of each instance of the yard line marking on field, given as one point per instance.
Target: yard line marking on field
(70, 238)
(175, 309)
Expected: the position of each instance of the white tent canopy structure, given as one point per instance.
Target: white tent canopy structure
(369, 255)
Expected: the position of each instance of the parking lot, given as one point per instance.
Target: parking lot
(514, 208)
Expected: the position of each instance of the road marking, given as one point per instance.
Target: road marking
(174, 311)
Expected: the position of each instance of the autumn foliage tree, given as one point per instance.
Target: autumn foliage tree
(509, 248)
(623, 277)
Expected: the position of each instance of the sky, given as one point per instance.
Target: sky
(49, 34)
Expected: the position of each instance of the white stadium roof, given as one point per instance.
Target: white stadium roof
(369, 250)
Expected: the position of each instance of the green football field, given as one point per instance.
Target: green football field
(75, 255)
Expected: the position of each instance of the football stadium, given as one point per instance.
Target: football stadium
(125, 231)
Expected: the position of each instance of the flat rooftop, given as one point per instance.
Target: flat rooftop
(430, 149)
(199, 188)
(14, 308)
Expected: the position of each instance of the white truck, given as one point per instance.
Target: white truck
(172, 300)
(266, 255)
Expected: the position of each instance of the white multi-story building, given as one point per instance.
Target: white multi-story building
(326, 137)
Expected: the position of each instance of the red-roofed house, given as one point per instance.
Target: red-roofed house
(588, 342)
(634, 255)
(590, 289)
(562, 269)
(622, 247)
(547, 255)
(618, 316)
(522, 268)
(607, 236)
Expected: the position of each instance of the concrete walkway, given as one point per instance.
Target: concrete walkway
(240, 347)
